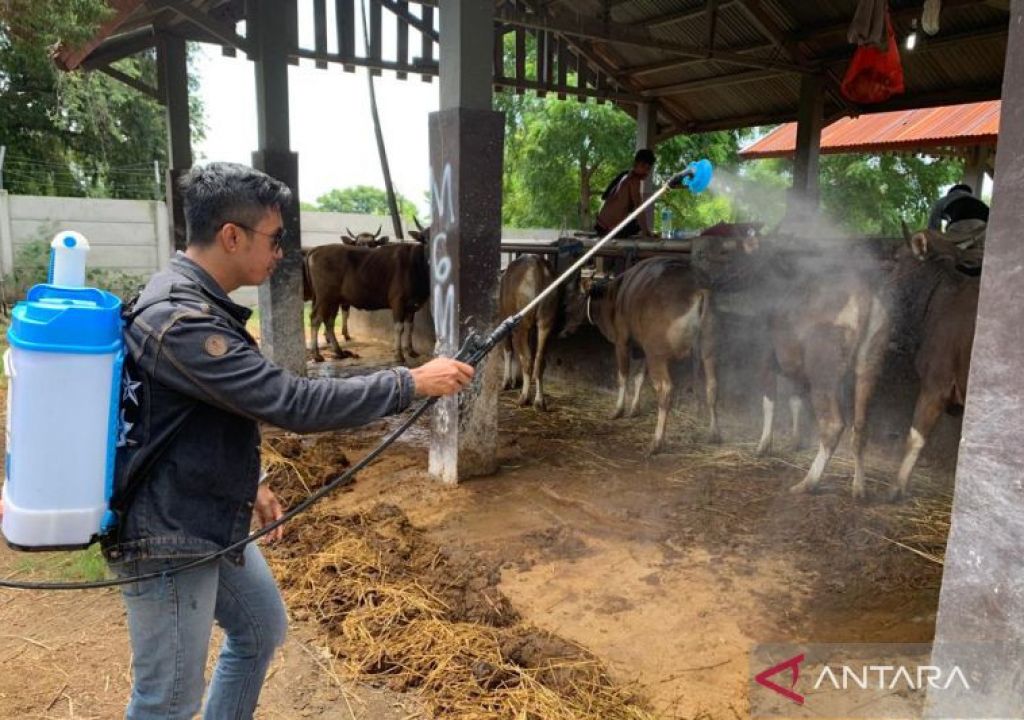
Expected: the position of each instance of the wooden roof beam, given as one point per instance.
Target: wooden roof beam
(591, 29)
(414, 21)
(218, 29)
(132, 82)
(679, 16)
(710, 82)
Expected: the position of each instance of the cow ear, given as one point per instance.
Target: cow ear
(919, 245)
(383, 240)
(415, 235)
(347, 240)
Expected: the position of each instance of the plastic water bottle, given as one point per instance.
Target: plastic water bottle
(666, 223)
(67, 259)
(63, 395)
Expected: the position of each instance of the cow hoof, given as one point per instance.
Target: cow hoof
(896, 493)
(617, 414)
(318, 358)
(860, 494)
(523, 401)
(654, 448)
(412, 353)
(540, 405)
(400, 359)
(762, 450)
(796, 446)
(344, 354)
(801, 487)
(348, 338)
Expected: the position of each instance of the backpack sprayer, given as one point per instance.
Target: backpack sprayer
(67, 351)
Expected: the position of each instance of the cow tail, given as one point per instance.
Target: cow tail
(307, 282)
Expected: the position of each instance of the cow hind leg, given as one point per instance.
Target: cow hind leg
(662, 381)
(398, 328)
(508, 379)
(638, 383)
(868, 367)
(830, 428)
(521, 341)
(796, 404)
(344, 324)
(764, 445)
(543, 333)
(622, 365)
(316, 320)
(711, 394)
(926, 413)
(409, 351)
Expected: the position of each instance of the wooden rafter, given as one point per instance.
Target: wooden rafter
(592, 29)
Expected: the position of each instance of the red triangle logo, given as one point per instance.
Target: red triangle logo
(793, 665)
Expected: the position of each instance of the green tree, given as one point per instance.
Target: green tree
(872, 194)
(364, 199)
(80, 134)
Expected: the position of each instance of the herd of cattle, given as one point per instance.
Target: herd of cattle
(830, 316)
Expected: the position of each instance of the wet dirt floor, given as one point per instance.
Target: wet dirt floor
(671, 568)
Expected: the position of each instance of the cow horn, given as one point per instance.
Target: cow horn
(417, 221)
(906, 230)
(349, 231)
(379, 228)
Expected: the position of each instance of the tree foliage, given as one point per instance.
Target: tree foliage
(78, 134)
(364, 199)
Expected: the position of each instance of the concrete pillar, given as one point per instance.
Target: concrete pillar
(173, 72)
(975, 166)
(803, 197)
(282, 336)
(982, 596)
(646, 132)
(466, 146)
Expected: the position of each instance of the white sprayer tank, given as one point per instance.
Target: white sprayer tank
(64, 371)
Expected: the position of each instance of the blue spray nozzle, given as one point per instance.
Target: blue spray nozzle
(697, 175)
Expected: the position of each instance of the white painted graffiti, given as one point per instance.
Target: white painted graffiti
(445, 319)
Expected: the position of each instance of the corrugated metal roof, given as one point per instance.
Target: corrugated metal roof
(973, 124)
(659, 50)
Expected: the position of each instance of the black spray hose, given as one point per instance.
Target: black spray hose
(474, 349)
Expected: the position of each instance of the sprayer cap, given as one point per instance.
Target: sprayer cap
(69, 239)
(67, 320)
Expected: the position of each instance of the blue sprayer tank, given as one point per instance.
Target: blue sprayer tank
(63, 373)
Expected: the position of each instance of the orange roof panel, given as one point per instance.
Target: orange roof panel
(972, 124)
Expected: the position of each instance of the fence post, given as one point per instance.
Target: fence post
(6, 236)
(161, 222)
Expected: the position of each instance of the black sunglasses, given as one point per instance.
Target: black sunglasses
(276, 239)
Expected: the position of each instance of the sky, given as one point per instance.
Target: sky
(331, 125)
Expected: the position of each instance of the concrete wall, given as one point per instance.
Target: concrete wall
(124, 235)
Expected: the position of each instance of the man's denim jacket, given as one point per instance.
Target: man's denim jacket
(188, 464)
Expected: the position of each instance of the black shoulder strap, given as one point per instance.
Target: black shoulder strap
(613, 184)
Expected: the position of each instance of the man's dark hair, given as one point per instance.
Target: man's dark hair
(961, 186)
(227, 192)
(644, 156)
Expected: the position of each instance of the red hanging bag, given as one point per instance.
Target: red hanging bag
(874, 75)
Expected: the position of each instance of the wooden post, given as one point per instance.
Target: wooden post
(466, 144)
(172, 62)
(803, 197)
(282, 336)
(982, 598)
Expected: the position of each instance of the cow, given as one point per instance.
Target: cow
(365, 239)
(420, 234)
(395, 276)
(659, 309)
(827, 322)
(523, 280)
(938, 284)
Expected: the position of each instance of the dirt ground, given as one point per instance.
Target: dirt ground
(668, 569)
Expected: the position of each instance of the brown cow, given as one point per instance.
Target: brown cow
(660, 308)
(365, 239)
(523, 280)
(945, 285)
(826, 320)
(395, 277)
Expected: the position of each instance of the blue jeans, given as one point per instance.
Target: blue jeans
(170, 620)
